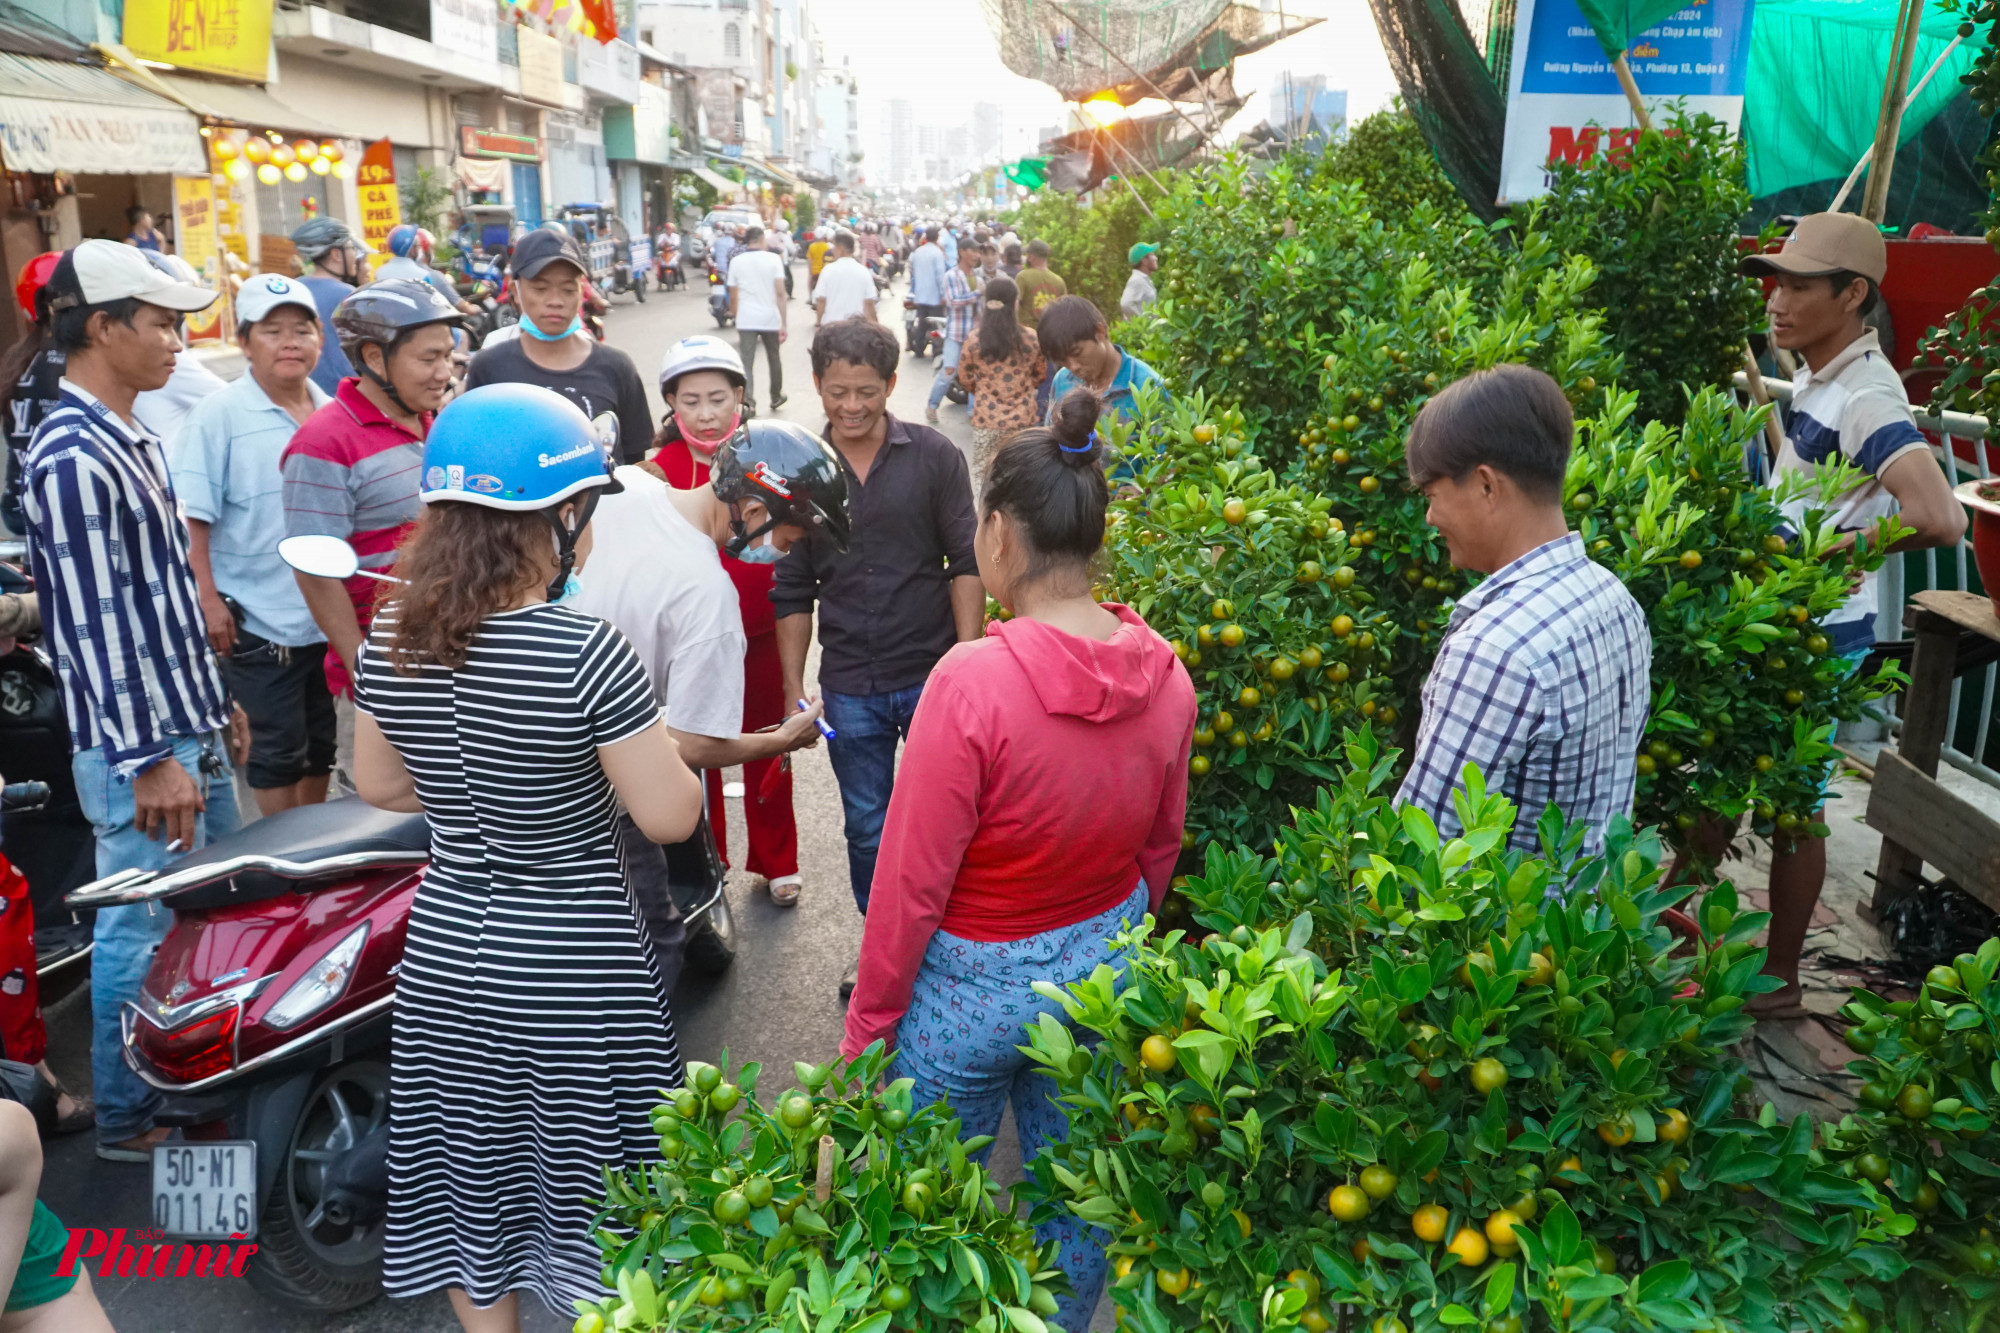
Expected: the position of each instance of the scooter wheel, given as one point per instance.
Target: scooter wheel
(639, 289)
(711, 945)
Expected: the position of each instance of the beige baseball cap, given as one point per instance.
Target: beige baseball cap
(1826, 243)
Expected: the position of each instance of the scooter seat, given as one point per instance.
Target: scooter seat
(305, 833)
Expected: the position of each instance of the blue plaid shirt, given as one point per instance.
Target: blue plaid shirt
(1543, 680)
(961, 300)
(119, 601)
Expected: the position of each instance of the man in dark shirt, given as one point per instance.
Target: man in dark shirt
(555, 351)
(905, 591)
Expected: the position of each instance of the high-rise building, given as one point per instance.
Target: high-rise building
(1303, 107)
(902, 142)
(988, 130)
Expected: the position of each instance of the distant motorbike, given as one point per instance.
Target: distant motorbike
(923, 328)
(667, 274)
(718, 297)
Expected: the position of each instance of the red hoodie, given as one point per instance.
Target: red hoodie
(1045, 775)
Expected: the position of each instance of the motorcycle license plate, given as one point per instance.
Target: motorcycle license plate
(205, 1188)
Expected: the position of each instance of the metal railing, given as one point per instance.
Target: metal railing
(1960, 444)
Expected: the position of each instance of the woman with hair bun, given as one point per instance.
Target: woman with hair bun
(1038, 810)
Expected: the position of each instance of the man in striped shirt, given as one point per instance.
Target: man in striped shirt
(147, 714)
(1543, 677)
(961, 303)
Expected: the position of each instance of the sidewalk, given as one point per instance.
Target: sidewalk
(1799, 1064)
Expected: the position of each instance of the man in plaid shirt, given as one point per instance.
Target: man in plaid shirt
(1542, 678)
(961, 305)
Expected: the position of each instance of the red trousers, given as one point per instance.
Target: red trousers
(22, 1036)
(767, 784)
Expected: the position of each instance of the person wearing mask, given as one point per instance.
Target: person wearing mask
(335, 261)
(761, 307)
(1848, 407)
(143, 235)
(1543, 676)
(714, 654)
(353, 469)
(1002, 369)
(523, 950)
(896, 600)
(947, 241)
(989, 262)
(1074, 337)
(1139, 289)
(928, 268)
(555, 352)
(1038, 813)
(961, 303)
(150, 725)
(225, 468)
(845, 289)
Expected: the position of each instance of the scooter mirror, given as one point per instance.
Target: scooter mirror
(321, 556)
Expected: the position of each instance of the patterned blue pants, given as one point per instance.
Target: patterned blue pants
(959, 1041)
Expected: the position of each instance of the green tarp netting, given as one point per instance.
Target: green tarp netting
(1030, 172)
(1617, 22)
(1815, 86)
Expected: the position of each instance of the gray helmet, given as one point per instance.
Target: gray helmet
(383, 313)
(323, 235)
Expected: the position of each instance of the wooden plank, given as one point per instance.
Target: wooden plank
(1935, 825)
(1967, 610)
(1926, 715)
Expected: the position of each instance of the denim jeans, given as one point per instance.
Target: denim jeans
(866, 728)
(947, 371)
(127, 936)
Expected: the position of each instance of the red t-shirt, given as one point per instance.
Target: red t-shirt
(1045, 776)
(686, 470)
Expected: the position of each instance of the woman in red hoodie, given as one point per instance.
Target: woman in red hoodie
(1038, 807)
(701, 380)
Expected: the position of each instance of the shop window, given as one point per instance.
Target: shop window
(281, 208)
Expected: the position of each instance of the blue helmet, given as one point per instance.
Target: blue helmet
(513, 446)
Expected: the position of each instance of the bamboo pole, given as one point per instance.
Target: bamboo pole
(1105, 136)
(1774, 437)
(1854, 176)
(1889, 122)
(1624, 73)
(1127, 67)
(823, 1186)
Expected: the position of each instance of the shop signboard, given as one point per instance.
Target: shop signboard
(381, 207)
(197, 240)
(1563, 97)
(228, 37)
(475, 142)
(48, 136)
(467, 28)
(541, 66)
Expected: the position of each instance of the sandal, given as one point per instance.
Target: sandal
(82, 1111)
(785, 889)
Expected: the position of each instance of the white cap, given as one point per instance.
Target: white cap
(265, 292)
(704, 351)
(99, 271)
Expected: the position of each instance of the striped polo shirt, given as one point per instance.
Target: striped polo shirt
(1854, 407)
(351, 472)
(119, 601)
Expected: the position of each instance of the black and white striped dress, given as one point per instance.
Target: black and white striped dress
(531, 1031)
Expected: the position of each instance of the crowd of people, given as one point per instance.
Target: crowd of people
(591, 614)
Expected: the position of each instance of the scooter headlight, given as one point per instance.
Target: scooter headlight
(324, 982)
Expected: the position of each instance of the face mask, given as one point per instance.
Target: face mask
(534, 330)
(572, 589)
(707, 447)
(764, 553)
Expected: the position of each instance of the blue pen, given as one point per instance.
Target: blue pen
(819, 722)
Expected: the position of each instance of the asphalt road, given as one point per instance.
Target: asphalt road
(778, 1004)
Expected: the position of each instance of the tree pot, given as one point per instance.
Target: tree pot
(1983, 499)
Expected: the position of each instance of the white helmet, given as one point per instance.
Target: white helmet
(704, 351)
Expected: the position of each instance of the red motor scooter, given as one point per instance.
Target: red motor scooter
(265, 1021)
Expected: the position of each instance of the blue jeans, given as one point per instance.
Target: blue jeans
(127, 936)
(946, 373)
(866, 728)
(961, 1039)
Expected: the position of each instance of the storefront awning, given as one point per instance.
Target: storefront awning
(721, 184)
(59, 116)
(248, 105)
(775, 174)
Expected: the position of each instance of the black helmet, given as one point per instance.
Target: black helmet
(790, 471)
(383, 312)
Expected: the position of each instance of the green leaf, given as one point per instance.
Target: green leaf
(1457, 1315)
(1499, 1290)
(1023, 1319)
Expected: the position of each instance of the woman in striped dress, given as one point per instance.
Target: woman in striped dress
(531, 1030)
